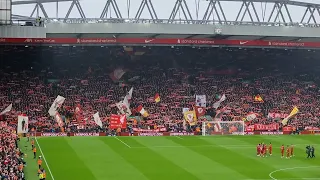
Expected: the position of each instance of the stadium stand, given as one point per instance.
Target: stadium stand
(32, 77)
(11, 157)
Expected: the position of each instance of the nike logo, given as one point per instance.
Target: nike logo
(148, 40)
(243, 42)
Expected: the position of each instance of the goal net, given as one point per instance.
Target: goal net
(222, 128)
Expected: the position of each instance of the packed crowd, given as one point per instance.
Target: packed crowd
(34, 76)
(11, 157)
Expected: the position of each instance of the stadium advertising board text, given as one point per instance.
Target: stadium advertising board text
(314, 132)
(160, 41)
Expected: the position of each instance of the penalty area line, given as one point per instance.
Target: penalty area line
(44, 158)
(122, 142)
(291, 168)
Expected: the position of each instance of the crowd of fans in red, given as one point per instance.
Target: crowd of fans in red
(11, 157)
(34, 77)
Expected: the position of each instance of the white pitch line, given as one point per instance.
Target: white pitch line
(44, 158)
(289, 179)
(122, 142)
(178, 137)
(285, 169)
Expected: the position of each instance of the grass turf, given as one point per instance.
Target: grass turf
(160, 158)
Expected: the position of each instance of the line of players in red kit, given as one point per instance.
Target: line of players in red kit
(263, 150)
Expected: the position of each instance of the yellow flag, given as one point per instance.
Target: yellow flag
(294, 111)
(191, 117)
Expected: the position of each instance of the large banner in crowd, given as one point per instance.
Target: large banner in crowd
(277, 115)
(23, 123)
(262, 127)
(201, 101)
(118, 121)
(162, 129)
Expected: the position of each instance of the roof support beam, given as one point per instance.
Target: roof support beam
(80, 10)
(111, 5)
(277, 13)
(212, 10)
(37, 8)
(150, 7)
(312, 11)
(183, 6)
(36, 1)
(246, 7)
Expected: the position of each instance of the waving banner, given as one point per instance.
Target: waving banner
(264, 127)
(201, 100)
(190, 116)
(97, 119)
(217, 104)
(7, 109)
(117, 74)
(114, 121)
(59, 119)
(117, 121)
(23, 123)
(56, 103)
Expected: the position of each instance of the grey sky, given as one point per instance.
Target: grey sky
(93, 9)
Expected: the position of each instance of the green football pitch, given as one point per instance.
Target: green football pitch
(171, 158)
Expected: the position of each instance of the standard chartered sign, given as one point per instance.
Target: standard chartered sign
(5, 12)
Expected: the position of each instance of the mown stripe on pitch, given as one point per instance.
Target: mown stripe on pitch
(151, 164)
(248, 167)
(63, 160)
(189, 160)
(313, 140)
(100, 159)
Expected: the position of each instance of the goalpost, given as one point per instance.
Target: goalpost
(223, 128)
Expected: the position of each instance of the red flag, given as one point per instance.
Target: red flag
(59, 120)
(78, 113)
(123, 121)
(200, 111)
(114, 121)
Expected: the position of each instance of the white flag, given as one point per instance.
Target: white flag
(119, 106)
(129, 95)
(217, 104)
(124, 106)
(201, 100)
(97, 119)
(8, 109)
(251, 116)
(56, 103)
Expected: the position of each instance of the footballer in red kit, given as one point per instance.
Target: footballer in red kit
(261, 149)
(270, 149)
(264, 150)
(288, 152)
(282, 151)
(291, 151)
(258, 150)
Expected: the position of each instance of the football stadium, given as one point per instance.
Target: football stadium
(207, 90)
